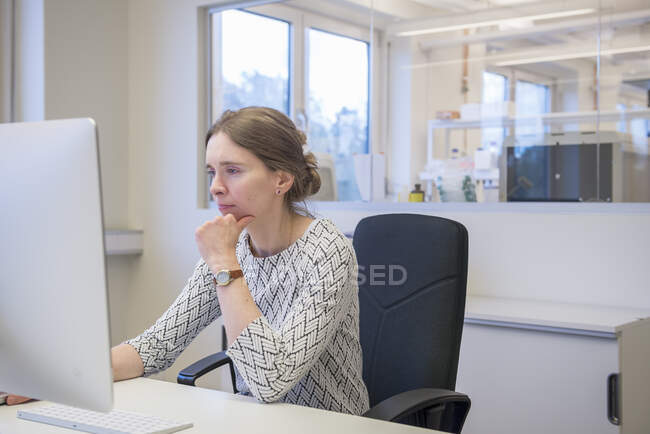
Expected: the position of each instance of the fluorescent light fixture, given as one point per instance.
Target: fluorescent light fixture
(567, 56)
(497, 22)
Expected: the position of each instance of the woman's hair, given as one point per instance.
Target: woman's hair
(274, 139)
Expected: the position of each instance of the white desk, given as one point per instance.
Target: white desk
(546, 316)
(213, 411)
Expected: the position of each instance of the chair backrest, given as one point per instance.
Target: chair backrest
(412, 284)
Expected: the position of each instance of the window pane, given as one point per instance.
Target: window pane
(338, 103)
(252, 62)
(495, 90)
(532, 99)
(495, 87)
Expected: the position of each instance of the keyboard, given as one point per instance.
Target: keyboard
(114, 422)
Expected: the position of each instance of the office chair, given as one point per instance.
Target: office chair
(411, 319)
(412, 284)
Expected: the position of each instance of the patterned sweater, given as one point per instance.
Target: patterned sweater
(305, 348)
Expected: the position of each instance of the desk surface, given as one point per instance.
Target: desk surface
(566, 316)
(214, 411)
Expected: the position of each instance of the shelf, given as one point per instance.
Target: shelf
(557, 118)
(123, 242)
(545, 119)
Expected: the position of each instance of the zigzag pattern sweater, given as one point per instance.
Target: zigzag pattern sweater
(305, 348)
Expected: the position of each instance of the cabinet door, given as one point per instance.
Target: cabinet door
(533, 382)
(634, 381)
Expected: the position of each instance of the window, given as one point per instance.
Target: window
(338, 103)
(495, 87)
(248, 70)
(532, 99)
(495, 90)
(314, 69)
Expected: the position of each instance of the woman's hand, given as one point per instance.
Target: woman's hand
(217, 240)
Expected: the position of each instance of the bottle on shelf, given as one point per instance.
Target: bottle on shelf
(416, 195)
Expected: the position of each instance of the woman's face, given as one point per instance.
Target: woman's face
(241, 184)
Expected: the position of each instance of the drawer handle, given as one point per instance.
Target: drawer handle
(612, 399)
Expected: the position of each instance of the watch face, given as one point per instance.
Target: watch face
(223, 277)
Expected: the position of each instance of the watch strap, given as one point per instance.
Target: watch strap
(236, 273)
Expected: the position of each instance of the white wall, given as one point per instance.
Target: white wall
(71, 60)
(578, 253)
(86, 45)
(164, 131)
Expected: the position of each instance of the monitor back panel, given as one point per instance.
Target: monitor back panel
(54, 330)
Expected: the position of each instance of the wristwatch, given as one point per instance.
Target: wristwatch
(224, 277)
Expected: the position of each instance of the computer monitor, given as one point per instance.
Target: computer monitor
(54, 323)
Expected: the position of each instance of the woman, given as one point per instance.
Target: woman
(291, 315)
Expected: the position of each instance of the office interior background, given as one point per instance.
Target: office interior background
(527, 121)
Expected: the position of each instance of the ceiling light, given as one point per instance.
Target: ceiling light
(567, 56)
(516, 24)
(497, 22)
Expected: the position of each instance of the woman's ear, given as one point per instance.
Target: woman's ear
(284, 180)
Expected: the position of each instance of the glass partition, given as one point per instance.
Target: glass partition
(520, 101)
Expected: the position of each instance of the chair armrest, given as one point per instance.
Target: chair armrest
(418, 400)
(190, 374)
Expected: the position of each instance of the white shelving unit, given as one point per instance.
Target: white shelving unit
(123, 241)
(559, 118)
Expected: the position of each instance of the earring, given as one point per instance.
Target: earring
(278, 192)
